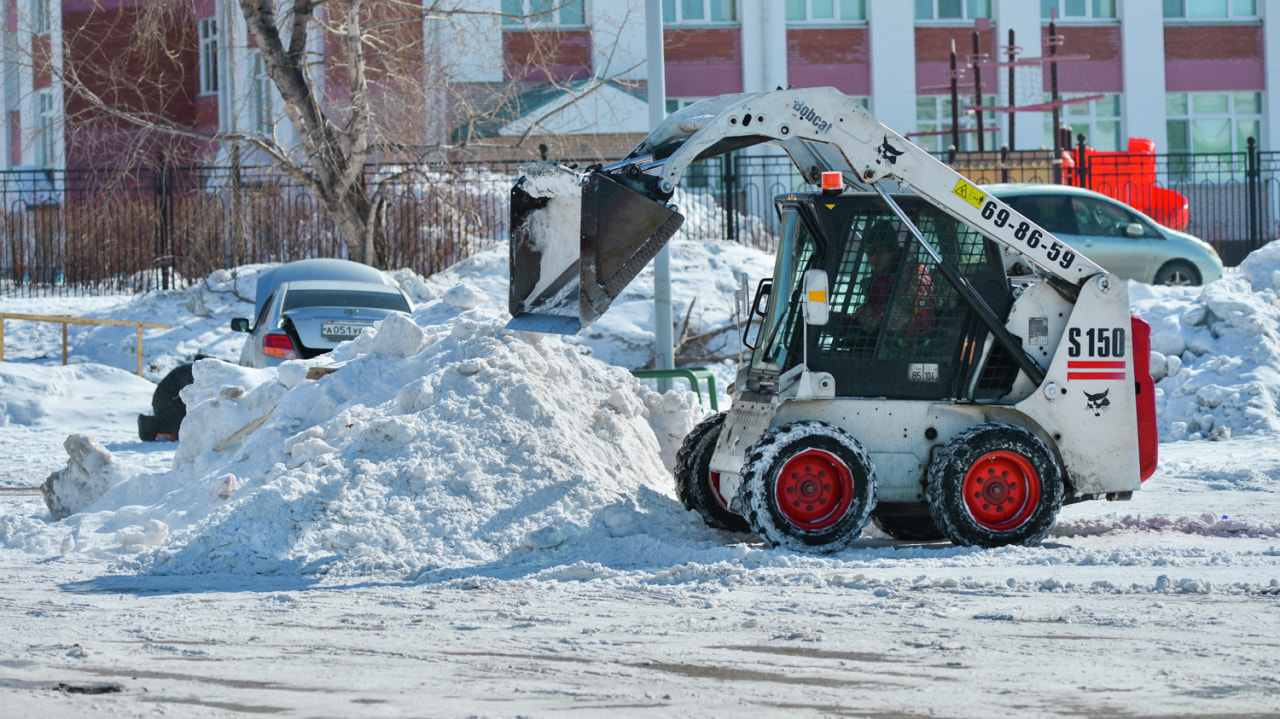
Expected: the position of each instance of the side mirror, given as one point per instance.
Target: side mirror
(240, 324)
(816, 311)
(1134, 230)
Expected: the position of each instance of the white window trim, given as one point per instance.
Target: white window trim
(965, 20)
(678, 17)
(1231, 115)
(1231, 17)
(1066, 119)
(811, 21)
(209, 41)
(1086, 19)
(41, 17)
(530, 21)
(968, 121)
(46, 119)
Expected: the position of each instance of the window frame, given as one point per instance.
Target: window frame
(1092, 119)
(1092, 12)
(835, 19)
(208, 55)
(673, 13)
(263, 97)
(942, 120)
(45, 145)
(1182, 15)
(41, 17)
(528, 17)
(1233, 116)
(966, 12)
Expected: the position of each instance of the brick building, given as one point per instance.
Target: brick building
(1191, 75)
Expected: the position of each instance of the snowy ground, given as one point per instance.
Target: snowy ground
(465, 521)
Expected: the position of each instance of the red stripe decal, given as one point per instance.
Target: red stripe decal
(1095, 375)
(1083, 364)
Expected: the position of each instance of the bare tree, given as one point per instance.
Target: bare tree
(358, 81)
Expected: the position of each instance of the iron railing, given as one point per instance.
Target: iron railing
(97, 231)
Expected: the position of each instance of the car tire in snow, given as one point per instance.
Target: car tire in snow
(908, 529)
(167, 406)
(808, 487)
(1178, 274)
(994, 484)
(696, 485)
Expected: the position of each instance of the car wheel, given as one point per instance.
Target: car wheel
(1178, 274)
(167, 404)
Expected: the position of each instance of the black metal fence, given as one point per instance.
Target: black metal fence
(79, 232)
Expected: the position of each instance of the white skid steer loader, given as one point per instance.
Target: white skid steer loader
(898, 375)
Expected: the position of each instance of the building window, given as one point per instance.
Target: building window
(45, 142)
(933, 125)
(1098, 120)
(41, 17)
(1078, 9)
(263, 115)
(947, 10)
(1209, 122)
(1211, 9)
(208, 56)
(699, 11)
(547, 12)
(824, 11)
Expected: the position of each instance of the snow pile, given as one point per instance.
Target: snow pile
(88, 475)
(442, 441)
(1216, 351)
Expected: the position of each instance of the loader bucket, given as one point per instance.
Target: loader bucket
(575, 246)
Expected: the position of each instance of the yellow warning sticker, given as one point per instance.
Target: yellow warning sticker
(970, 194)
(817, 296)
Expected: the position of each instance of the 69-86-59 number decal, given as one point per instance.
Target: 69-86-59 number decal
(1002, 220)
(1023, 233)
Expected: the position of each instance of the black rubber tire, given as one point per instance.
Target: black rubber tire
(165, 402)
(808, 452)
(694, 483)
(148, 429)
(995, 464)
(1178, 273)
(908, 529)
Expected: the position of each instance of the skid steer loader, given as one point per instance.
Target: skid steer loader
(899, 375)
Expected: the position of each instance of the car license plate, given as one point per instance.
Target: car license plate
(336, 331)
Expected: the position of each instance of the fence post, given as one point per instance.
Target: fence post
(1082, 162)
(728, 184)
(1252, 174)
(1004, 156)
(164, 238)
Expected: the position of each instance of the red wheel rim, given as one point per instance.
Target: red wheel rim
(814, 490)
(713, 480)
(1002, 491)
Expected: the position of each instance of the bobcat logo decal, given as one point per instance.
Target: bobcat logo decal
(1098, 403)
(887, 153)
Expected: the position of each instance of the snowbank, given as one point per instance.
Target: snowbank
(441, 441)
(1216, 351)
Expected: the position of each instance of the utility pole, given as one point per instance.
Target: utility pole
(664, 345)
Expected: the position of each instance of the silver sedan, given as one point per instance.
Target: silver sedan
(306, 308)
(1121, 239)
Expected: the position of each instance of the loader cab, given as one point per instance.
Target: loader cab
(897, 328)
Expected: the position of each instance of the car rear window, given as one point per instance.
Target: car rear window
(344, 298)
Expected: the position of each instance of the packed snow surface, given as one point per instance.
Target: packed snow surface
(493, 510)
